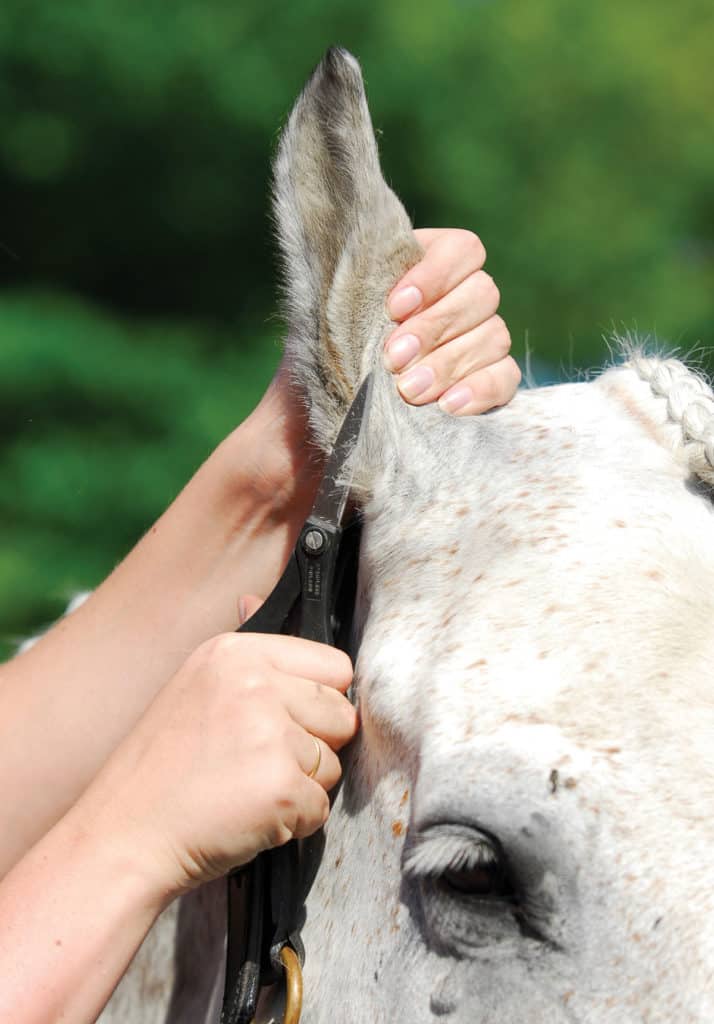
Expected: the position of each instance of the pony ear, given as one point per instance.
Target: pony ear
(344, 237)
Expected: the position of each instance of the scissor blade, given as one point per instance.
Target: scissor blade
(334, 488)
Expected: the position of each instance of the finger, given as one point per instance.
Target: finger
(470, 304)
(321, 710)
(314, 808)
(248, 605)
(455, 360)
(451, 255)
(316, 759)
(306, 658)
(483, 390)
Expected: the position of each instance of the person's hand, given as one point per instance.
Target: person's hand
(461, 354)
(450, 345)
(218, 768)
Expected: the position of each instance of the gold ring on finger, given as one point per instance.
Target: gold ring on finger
(318, 757)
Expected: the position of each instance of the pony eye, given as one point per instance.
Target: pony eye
(460, 861)
(484, 881)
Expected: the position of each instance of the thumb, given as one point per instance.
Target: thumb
(248, 605)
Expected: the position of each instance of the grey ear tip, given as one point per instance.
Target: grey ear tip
(340, 64)
(338, 55)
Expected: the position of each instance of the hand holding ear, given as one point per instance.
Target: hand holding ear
(450, 346)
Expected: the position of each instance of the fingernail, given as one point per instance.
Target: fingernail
(242, 611)
(415, 382)
(400, 351)
(456, 399)
(404, 302)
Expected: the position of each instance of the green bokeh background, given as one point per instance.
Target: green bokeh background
(137, 280)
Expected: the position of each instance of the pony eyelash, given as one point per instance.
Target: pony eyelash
(432, 856)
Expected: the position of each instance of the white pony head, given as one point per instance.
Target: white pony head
(525, 828)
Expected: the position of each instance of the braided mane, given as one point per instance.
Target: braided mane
(690, 405)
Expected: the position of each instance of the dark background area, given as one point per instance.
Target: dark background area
(137, 307)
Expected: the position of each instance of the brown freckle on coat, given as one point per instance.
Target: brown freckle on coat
(453, 549)
(543, 654)
(477, 664)
(654, 574)
(338, 861)
(620, 523)
(512, 583)
(552, 609)
(523, 494)
(397, 829)
(530, 718)
(463, 511)
(570, 783)
(567, 996)
(405, 797)
(478, 576)
(590, 666)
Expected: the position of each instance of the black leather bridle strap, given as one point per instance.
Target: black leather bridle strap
(314, 599)
(244, 941)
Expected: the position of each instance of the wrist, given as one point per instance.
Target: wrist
(269, 457)
(97, 833)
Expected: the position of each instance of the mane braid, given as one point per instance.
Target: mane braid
(690, 405)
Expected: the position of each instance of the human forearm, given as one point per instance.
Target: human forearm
(221, 766)
(72, 914)
(66, 703)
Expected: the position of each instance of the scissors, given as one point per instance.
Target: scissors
(313, 599)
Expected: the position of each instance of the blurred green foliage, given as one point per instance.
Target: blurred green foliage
(102, 422)
(135, 142)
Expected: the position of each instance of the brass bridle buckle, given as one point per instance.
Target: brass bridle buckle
(293, 985)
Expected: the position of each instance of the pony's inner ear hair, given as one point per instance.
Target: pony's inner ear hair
(344, 239)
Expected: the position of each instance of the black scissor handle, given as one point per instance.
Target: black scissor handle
(302, 601)
(280, 610)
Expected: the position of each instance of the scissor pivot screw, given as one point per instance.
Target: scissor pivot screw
(313, 541)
